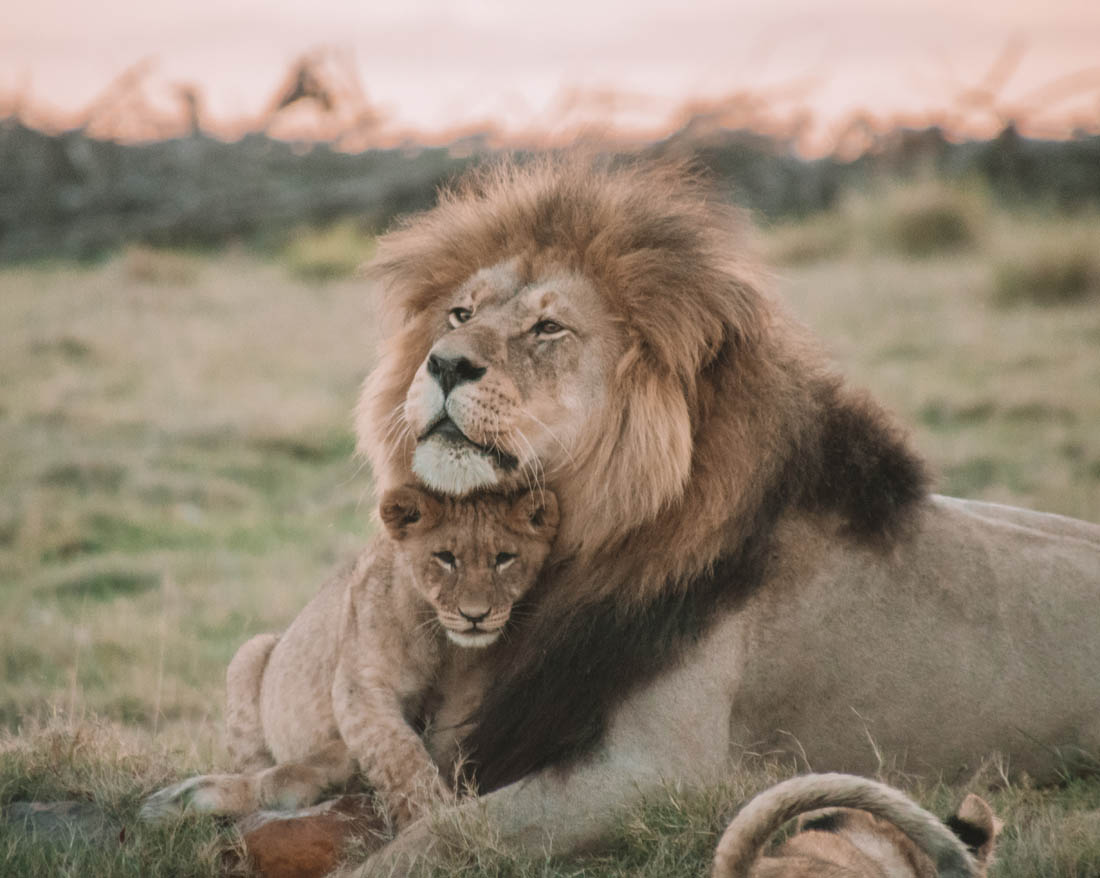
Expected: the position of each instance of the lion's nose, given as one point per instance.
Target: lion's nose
(452, 371)
(474, 612)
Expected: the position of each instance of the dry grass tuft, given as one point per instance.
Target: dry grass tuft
(151, 265)
(1052, 271)
(930, 218)
(816, 239)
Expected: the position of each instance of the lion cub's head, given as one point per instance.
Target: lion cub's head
(471, 559)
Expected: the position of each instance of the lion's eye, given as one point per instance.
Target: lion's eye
(459, 315)
(548, 329)
(504, 560)
(445, 560)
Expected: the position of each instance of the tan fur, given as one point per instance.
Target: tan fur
(682, 417)
(340, 688)
(876, 832)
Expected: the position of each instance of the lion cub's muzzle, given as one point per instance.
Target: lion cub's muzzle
(474, 627)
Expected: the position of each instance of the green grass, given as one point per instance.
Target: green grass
(177, 476)
(177, 473)
(1053, 832)
(321, 255)
(110, 768)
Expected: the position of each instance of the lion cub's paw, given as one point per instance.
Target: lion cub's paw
(205, 794)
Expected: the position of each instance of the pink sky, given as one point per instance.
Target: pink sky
(431, 64)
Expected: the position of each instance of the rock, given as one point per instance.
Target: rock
(61, 821)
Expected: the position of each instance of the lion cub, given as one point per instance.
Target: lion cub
(360, 666)
(870, 831)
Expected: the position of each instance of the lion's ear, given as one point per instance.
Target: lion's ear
(536, 512)
(976, 826)
(407, 509)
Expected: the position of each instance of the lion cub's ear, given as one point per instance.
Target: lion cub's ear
(407, 510)
(535, 513)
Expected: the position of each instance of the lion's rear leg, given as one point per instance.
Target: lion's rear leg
(286, 786)
(244, 731)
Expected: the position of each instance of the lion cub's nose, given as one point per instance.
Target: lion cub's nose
(452, 371)
(474, 612)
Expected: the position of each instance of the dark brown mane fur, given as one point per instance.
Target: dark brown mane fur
(729, 420)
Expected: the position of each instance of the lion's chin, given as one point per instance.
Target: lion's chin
(453, 468)
(473, 639)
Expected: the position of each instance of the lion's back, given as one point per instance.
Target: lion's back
(978, 625)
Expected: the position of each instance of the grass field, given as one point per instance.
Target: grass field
(176, 474)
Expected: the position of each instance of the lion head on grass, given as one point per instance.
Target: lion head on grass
(597, 327)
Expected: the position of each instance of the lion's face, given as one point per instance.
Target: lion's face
(470, 559)
(508, 388)
(570, 325)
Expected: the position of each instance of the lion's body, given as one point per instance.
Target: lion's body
(934, 673)
(365, 660)
(749, 560)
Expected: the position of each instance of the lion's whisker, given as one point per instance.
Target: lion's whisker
(362, 495)
(553, 436)
(397, 431)
(535, 474)
(424, 630)
(396, 427)
(362, 463)
(528, 475)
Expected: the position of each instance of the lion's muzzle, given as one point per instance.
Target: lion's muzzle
(451, 371)
(462, 411)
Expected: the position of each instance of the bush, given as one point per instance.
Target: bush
(925, 220)
(1053, 272)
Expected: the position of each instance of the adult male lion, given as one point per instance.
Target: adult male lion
(748, 559)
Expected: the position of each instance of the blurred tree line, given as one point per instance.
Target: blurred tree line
(78, 193)
(72, 196)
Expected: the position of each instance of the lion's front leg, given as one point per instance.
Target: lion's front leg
(387, 749)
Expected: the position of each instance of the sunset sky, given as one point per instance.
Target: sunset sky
(431, 64)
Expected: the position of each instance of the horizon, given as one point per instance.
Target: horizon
(435, 69)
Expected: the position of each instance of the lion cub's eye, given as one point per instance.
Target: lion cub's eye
(504, 560)
(459, 315)
(548, 329)
(445, 560)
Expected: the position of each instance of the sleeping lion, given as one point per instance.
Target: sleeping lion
(870, 830)
(750, 560)
(419, 612)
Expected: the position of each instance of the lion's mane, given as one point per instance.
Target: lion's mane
(726, 419)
